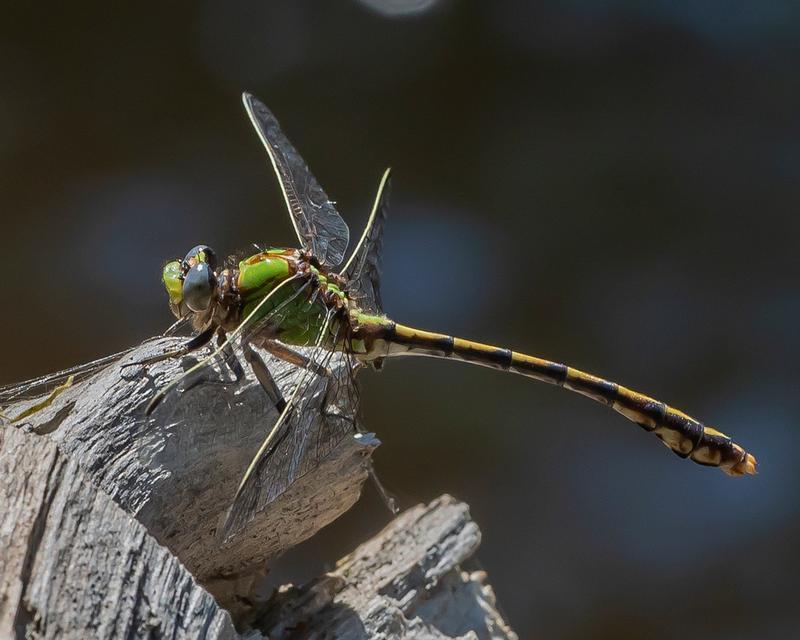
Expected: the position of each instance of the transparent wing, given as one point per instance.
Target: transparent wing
(363, 268)
(319, 414)
(258, 318)
(182, 327)
(318, 225)
(45, 384)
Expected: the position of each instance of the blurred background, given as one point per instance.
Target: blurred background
(609, 184)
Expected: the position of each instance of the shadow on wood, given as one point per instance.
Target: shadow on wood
(90, 487)
(178, 470)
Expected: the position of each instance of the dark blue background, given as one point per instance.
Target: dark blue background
(610, 184)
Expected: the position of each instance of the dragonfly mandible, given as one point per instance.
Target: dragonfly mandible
(283, 300)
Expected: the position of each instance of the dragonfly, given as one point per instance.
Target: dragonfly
(306, 305)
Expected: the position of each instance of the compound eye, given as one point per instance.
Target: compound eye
(200, 254)
(199, 284)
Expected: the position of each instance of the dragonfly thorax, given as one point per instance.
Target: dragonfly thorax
(225, 297)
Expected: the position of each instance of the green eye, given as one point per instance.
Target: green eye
(173, 281)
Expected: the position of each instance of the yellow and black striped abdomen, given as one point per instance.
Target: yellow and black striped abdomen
(686, 436)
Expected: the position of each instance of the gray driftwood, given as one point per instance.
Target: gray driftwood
(412, 580)
(178, 470)
(90, 487)
(73, 564)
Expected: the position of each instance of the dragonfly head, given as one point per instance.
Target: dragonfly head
(192, 282)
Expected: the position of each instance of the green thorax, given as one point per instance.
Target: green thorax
(300, 316)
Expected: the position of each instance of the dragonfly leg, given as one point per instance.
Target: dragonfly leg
(200, 340)
(229, 355)
(264, 377)
(282, 352)
(229, 360)
(388, 498)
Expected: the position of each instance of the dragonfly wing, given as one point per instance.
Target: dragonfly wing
(318, 225)
(363, 269)
(44, 384)
(318, 415)
(257, 319)
(182, 327)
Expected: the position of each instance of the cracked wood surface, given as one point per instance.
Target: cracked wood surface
(89, 489)
(178, 470)
(412, 580)
(76, 565)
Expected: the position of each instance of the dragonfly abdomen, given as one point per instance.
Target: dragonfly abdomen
(687, 437)
(684, 435)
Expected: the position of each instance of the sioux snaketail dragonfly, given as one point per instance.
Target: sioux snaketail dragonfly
(282, 299)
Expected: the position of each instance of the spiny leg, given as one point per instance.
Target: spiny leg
(388, 498)
(287, 354)
(348, 384)
(259, 336)
(264, 377)
(249, 320)
(229, 355)
(229, 360)
(252, 485)
(199, 341)
(285, 413)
